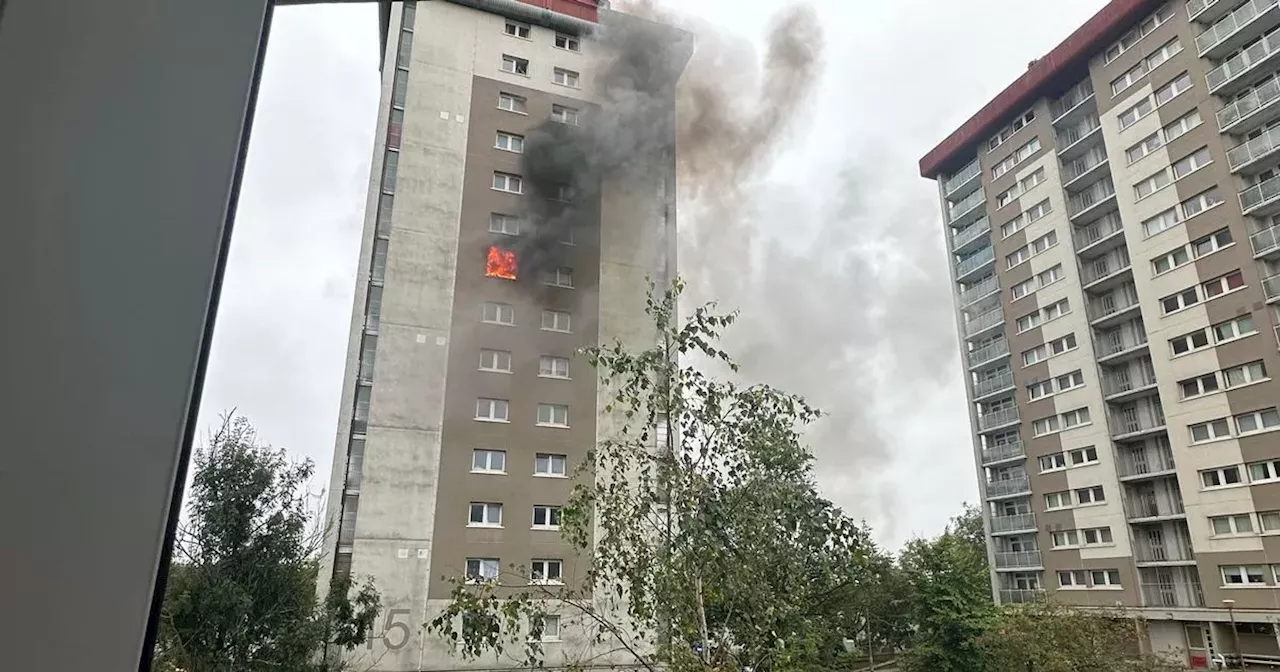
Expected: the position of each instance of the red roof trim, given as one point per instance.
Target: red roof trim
(1095, 34)
(587, 10)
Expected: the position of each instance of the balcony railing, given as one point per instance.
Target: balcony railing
(1002, 452)
(1071, 99)
(1003, 381)
(1014, 523)
(1095, 194)
(1265, 241)
(1136, 418)
(1017, 485)
(1151, 506)
(961, 178)
(1105, 266)
(967, 205)
(1177, 552)
(976, 261)
(1121, 299)
(1145, 461)
(1070, 136)
(984, 288)
(1232, 23)
(1120, 340)
(1251, 151)
(970, 233)
(1018, 559)
(1084, 164)
(998, 418)
(1098, 230)
(1176, 594)
(984, 321)
(1242, 62)
(1271, 287)
(1132, 378)
(989, 352)
(1016, 596)
(1197, 7)
(1263, 95)
(1260, 194)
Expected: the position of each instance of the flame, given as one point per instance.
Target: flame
(500, 264)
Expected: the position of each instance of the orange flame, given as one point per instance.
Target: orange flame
(500, 264)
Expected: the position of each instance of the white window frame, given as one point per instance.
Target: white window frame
(1099, 533)
(1135, 113)
(1027, 288)
(1064, 539)
(1097, 496)
(1057, 462)
(1270, 471)
(1183, 298)
(1143, 148)
(1203, 202)
(553, 415)
(1021, 122)
(1028, 322)
(1246, 576)
(1110, 579)
(1038, 211)
(502, 224)
(1217, 429)
(557, 316)
(1135, 35)
(1250, 373)
(1191, 163)
(551, 513)
(571, 43)
(1259, 418)
(1165, 221)
(1077, 417)
(1176, 87)
(509, 183)
(1237, 525)
(1202, 385)
(1062, 345)
(551, 461)
(486, 569)
(1075, 579)
(550, 633)
(550, 366)
(522, 30)
(509, 142)
(1013, 226)
(1219, 478)
(567, 77)
(489, 455)
(561, 276)
(1217, 241)
(493, 360)
(1221, 285)
(512, 65)
(1177, 258)
(1182, 125)
(1234, 324)
(490, 407)
(1033, 180)
(1063, 498)
(1151, 184)
(564, 114)
(510, 102)
(1273, 527)
(490, 514)
(1088, 455)
(543, 566)
(1189, 339)
(1057, 309)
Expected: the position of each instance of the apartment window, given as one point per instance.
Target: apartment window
(485, 514)
(1046, 278)
(1245, 374)
(1012, 226)
(565, 77)
(1034, 355)
(1189, 164)
(1019, 155)
(1006, 197)
(564, 115)
(1180, 126)
(507, 182)
(553, 415)
(1082, 456)
(513, 103)
(1022, 288)
(549, 464)
(498, 313)
(507, 225)
(1126, 80)
(559, 277)
(1075, 418)
(546, 517)
(1269, 521)
(1201, 385)
(1161, 222)
(1008, 131)
(482, 569)
(1057, 500)
(517, 29)
(568, 42)
(1187, 343)
(492, 410)
(1221, 477)
(495, 360)
(1165, 52)
(1073, 578)
(1147, 145)
(556, 320)
(1210, 431)
(1167, 92)
(1170, 261)
(1040, 390)
(1223, 284)
(1260, 472)
(1211, 243)
(1257, 421)
(1039, 210)
(1061, 345)
(1227, 525)
(1070, 381)
(553, 367)
(1032, 180)
(1233, 329)
(1241, 576)
(1097, 536)
(1090, 495)
(1045, 426)
(1053, 462)
(550, 628)
(1018, 256)
(1184, 299)
(1044, 242)
(489, 461)
(515, 65)
(1105, 577)
(1028, 322)
(1064, 538)
(1131, 116)
(1151, 184)
(509, 142)
(1201, 202)
(1129, 39)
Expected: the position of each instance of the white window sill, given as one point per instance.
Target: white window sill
(513, 111)
(1073, 587)
(1242, 586)
(1252, 382)
(543, 375)
(550, 475)
(490, 472)
(1229, 486)
(552, 425)
(1108, 587)
(1265, 430)
(1083, 424)
(1233, 535)
(516, 74)
(545, 582)
(557, 331)
(1203, 395)
(567, 86)
(546, 528)
(506, 191)
(1263, 481)
(484, 526)
(1057, 508)
(1139, 199)
(546, 640)
(1110, 545)
(552, 284)
(509, 151)
(1053, 470)
(1089, 504)
(495, 371)
(1206, 442)
(500, 324)
(495, 420)
(572, 51)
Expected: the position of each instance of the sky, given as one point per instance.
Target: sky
(845, 295)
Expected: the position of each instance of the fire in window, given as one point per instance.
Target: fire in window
(500, 264)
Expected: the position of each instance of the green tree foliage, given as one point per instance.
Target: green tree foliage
(1045, 637)
(241, 592)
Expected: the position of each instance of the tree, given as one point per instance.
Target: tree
(706, 544)
(1047, 637)
(241, 589)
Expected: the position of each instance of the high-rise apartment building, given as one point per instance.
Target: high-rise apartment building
(482, 271)
(1115, 255)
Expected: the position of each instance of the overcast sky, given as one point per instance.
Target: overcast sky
(845, 228)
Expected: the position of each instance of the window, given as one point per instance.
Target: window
(1097, 536)
(1008, 131)
(1233, 329)
(1211, 243)
(1131, 38)
(1081, 456)
(489, 461)
(517, 29)
(1053, 462)
(1210, 431)
(1245, 374)
(1257, 421)
(1151, 184)
(1224, 476)
(564, 115)
(559, 277)
(1090, 495)
(1144, 147)
(482, 569)
(1180, 126)
(1019, 155)
(553, 367)
(1061, 345)
(1032, 180)
(1187, 343)
(546, 516)
(1179, 84)
(1036, 354)
(1006, 197)
(1260, 472)
(1057, 500)
(1028, 322)
(1105, 577)
(1184, 299)
(1189, 164)
(1039, 210)
(550, 628)
(546, 571)
(509, 142)
(492, 410)
(1039, 390)
(1064, 538)
(1044, 242)
(1070, 381)
(1269, 521)
(513, 103)
(1131, 116)
(1126, 80)
(565, 77)
(1018, 256)
(1056, 310)
(1200, 385)
(515, 65)
(498, 313)
(1240, 576)
(1012, 226)
(495, 360)
(1165, 52)
(1161, 222)
(1044, 426)
(1075, 418)
(553, 415)
(549, 464)
(507, 182)
(1235, 524)
(485, 514)
(1201, 202)
(1223, 284)
(1023, 288)
(1050, 276)
(1074, 578)
(555, 320)
(568, 42)
(507, 225)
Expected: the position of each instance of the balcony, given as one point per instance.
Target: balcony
(987, 354)
(1250, 154)
(1087, 169)
(963, 239)
(1121, 343)
(1229, 77)
(1013, 560)
(1266, 243)
(1076, 140)
(1207, 11)
(1009, 487)
(1170, 587)
(1092, 203)
(1003, 452)
(1236, 29)
(1253, 110)
(1100, 237)
(1112, 308)
(1106, 273)
(983, 322)
(1145, 554)
(975, 293)
(964, 182)
(1271, 287)
(1152, 507)
(998, 419)
(1136, 419)
(1128, 380)
(1022, 522)
(1016, 596)
(970, 266)
(967, 211)
(1073, 105)
(985, 388)
(1261, 198)
(1153, 459)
